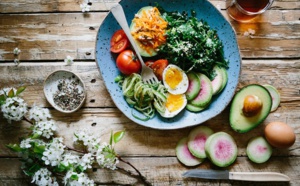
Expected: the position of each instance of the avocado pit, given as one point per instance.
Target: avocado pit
(252, 105)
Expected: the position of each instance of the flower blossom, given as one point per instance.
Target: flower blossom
(85, 7)
(43, 177)
(106, 157)
(26, 143)
(44, 128)
(86, 161)
(75, 179)
(37, 114)
(16, 51)
(69, 60)
(53, 152)
(92, 143)
(70, 159)
(14, 109)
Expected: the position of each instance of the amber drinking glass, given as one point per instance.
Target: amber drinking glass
(246, 10)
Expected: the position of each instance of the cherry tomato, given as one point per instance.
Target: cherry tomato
(128, 63)
(159, 66)
(119, 42)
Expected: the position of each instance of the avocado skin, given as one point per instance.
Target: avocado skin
(238, 121)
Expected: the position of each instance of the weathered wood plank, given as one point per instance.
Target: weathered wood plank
(167, 172)
(22, 6)
(142, 141)
(54, 36)
(283, 74)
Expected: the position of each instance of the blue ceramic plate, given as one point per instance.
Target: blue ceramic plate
(205, 11)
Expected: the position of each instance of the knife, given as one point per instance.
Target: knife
(244, 176)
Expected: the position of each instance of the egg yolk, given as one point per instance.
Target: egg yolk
(174, 102)
(173, 77)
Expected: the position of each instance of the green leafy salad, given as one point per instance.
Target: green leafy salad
(191, 44)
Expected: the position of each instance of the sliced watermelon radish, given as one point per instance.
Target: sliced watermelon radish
(221, 149)
(184, 155)
(217, 82)
(194, 108)
(275, 96)
(194, 86)
(205, 94)
(224, 80)
(196, 140)
(259, 150)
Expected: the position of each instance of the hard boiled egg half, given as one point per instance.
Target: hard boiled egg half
(173, 105)
(175, 80)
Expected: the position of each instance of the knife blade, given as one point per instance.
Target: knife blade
(244, 176)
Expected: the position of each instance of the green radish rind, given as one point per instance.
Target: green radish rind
(194, 86)
(275, 96)
(238, 121)
(224, 80)
(217, 82)
(196, 140)
(194, 108)
(205, 94)
(184, 155)
(144, 53)
(221, 149)
(259, 150)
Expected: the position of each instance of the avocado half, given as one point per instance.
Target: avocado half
(241, 123)
(133, 28)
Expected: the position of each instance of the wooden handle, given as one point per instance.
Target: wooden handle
(258, 176)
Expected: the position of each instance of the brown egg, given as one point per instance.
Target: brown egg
(280, 135)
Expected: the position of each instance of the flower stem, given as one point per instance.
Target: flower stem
(75, 150)
(140, 176)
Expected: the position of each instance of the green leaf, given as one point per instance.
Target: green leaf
(60, 168)
(2, 99)
(38, 149)
(111, 138)
(20, 90)
(79, 169)
(118, 136)
(35, 136)
(74, 177)
(31, 170)
(11, 93)
(14, 147)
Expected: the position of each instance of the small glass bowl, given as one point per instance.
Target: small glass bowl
(63, 85)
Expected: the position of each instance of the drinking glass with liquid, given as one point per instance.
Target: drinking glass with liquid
(246, 10)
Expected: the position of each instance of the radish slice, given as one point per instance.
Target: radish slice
(196, 140)
(221, 149)
(184, 155)
(259, 150)
(275, 96)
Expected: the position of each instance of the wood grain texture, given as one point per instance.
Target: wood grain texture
(167, 172)
(53, 36)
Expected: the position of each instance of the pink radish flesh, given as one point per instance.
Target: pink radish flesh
(223, 150)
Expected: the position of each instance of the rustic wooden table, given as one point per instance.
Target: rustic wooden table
(48, 31)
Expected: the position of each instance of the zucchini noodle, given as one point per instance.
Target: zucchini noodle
(146, 98)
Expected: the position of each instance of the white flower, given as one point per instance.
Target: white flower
(86, 161)
(43, 177)
(26, 143)
(37, 114)
(106, 158)
(53, 152)
(85, 7)
(92, 143)
(69, 159)
(14, 109)
(17, 62)
(69, 60)
(75, 179)
(45, 128)
(16, 51)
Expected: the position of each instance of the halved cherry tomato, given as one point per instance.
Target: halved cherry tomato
(159, 66)
(149, 63)
(128, 63)
(119, 42)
